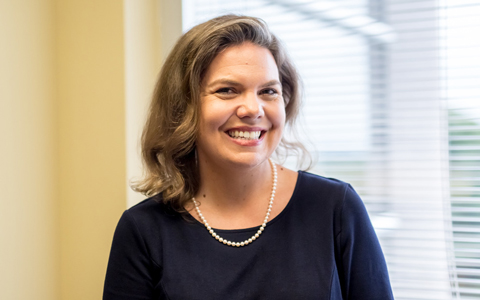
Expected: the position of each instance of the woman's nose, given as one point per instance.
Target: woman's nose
(251, 107)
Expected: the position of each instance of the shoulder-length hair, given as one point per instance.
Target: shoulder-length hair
(169, 135)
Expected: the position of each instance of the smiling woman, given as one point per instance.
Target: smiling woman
(241, 96)
(223, 99)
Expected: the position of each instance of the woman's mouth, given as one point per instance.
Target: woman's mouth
(245, 135)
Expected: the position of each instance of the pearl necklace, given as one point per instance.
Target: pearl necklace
(260, 230)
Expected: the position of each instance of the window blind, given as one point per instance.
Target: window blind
(460, 48)
(392, 105)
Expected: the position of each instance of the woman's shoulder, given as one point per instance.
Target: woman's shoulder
(314, 183)
(324, 193)
(152, 210)
(154, 203)
(330, 200)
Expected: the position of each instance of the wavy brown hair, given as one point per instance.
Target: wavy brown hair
(169, 135)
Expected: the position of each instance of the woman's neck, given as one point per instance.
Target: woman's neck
(237, 194)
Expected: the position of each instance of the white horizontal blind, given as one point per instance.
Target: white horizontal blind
(460, 44)
(417, 159)
(392, 105)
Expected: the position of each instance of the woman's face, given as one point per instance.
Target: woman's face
(242, 112)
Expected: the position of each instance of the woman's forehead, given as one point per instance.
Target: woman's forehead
(246, 60)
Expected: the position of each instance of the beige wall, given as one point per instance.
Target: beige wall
(151, 29)
(91, 110)
(63, 125)
(29, 268)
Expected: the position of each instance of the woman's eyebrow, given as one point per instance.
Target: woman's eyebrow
(271, 82)
(223, 81)
(235, 83)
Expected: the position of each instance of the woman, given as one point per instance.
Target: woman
(224, 221)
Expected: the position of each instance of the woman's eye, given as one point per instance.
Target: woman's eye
(225, 91)
(269, 92)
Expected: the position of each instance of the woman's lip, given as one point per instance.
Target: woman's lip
(245, 128)
(246, 142)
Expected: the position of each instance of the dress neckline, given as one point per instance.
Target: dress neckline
(269, 223)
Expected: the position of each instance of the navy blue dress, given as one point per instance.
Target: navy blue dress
(321, 246)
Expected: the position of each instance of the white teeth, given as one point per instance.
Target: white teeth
(247, 135)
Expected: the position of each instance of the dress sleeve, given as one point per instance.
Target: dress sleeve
(360, 261)
(130, 271)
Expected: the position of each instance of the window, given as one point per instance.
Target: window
(392, 105)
